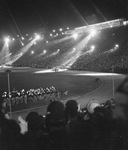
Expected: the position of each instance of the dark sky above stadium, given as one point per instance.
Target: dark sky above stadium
(30, 15)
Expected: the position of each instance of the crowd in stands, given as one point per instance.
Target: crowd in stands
(66, 127)
(48, 60)
(103, 62)
(94, 61)
(32, 95)
(59, 51)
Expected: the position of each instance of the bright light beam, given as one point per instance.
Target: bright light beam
(5, 57)
(60, 40)
(92, 47)
(12, 17)
(70, 60)
(75, 36)
(21, 52)
(93, 32)
(7, 40)
(38, 37)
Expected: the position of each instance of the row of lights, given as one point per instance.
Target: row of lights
(8, 39)
(54, 31)
(44, 52)
(75, 35)
(61, 29)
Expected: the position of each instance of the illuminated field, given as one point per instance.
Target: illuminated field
(23, 79)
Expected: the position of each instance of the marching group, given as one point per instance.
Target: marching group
(32, 95)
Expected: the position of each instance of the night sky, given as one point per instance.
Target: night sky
(27, 16)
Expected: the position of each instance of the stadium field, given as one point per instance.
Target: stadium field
(80, 85)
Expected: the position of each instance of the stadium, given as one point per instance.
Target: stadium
(64, 88)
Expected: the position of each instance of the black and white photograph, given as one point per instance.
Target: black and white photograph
(63, 74)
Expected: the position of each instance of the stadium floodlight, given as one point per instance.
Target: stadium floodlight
(125, 23)
(93, 32)
(22, 38)
(37, 37)
(44, 51)
(7, 40)
(22, 43)
(92, 48)
(32, 52)
(60, 29)
(75, 36)
(116, 46)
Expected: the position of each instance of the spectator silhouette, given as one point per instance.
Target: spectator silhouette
(35, 139)
(55, 123)
(101, 121)
(10, 136)
(77, 134)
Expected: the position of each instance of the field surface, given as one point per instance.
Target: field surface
(81, 86)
